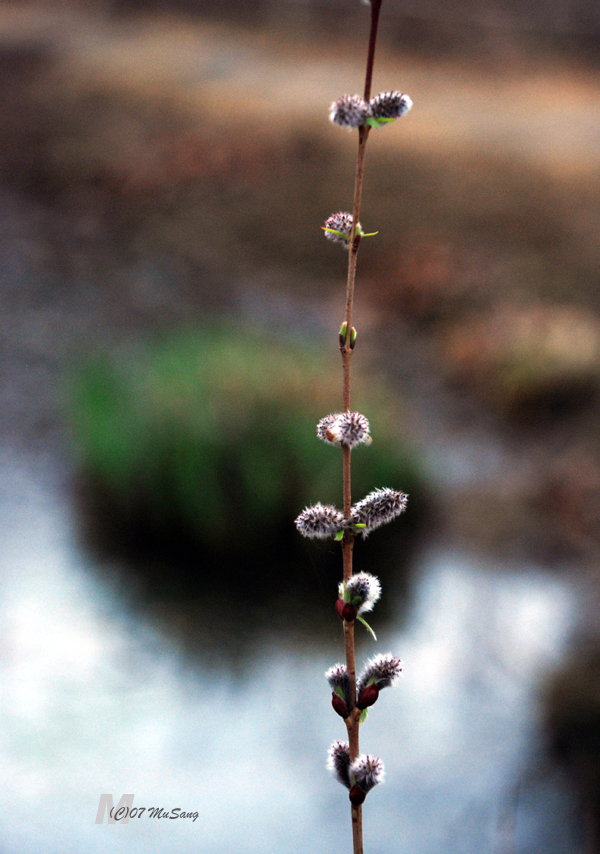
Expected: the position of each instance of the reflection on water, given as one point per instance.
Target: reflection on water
(96, 699)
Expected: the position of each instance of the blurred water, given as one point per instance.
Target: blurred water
(96, 699)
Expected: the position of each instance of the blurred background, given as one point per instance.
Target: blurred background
(169, 340)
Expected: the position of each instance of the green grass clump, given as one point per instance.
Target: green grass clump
(205, 443)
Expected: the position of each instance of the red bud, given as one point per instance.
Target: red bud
(339, 607)
(339, 705)
(357, 796)
(367, 696)
(349, 612)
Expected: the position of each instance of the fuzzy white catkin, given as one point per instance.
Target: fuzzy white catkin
(320, 521)
(349, 111)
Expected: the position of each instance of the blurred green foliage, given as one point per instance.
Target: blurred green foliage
(208, 437)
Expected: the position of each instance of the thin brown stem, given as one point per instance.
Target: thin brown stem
(346, 472)
(354, 243)
(351, 668)
(375, 10)
(357, 837)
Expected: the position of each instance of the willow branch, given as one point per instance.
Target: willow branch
(352, 722)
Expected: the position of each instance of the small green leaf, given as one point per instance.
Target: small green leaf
(367, 626)
(335, 231)
(363, 716)
(375, 123)
(339, 692)
(339, 535)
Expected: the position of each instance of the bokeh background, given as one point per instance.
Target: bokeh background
(169, 339)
